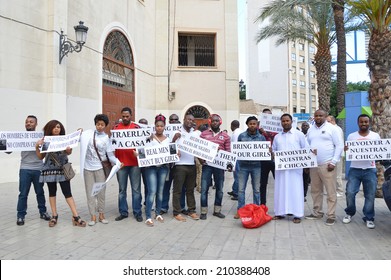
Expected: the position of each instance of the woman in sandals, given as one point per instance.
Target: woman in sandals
(156, 175)
(52, 173)
(94, 148)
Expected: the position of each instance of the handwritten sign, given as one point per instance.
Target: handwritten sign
(224, 160)
(379, 149)
(129, 138)
(198, 147)
(60, 142)
(251, 150)
(296, 159)
(97, 187)
(157, 155)
(12, 141)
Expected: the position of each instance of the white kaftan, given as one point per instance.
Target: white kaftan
(289, 191)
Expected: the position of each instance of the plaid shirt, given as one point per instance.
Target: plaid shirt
(221, 138)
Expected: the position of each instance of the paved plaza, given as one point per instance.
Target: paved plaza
(212, 239)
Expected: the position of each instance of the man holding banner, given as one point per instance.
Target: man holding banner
(288, 187)
(130, 170)
(215, 135)
(362, 172)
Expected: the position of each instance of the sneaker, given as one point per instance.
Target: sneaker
(203, 217)
(347, 219)
(180, 218)
(219, 215)
(20, 221)
(149, 222)
(45, 216)
(370, 224)
(194, 216)
(330, 222)
(313, 217)
(159, 218)
(91, 223)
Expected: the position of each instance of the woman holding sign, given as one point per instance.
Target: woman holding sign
(95, 150)
(156, 175)
(52, 172)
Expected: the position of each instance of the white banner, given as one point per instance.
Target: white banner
(97, 187)
(12, 141)
(303, 158)
(224, 160)
(368, 149)
(251, 150)
(60, 142)
(129, 138)
(272, 123)
(171, 129)
(198, 147)
(157, 155)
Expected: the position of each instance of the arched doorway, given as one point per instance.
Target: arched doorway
(200, 113)
(118, 77)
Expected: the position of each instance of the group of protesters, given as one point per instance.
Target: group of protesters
(321, 138)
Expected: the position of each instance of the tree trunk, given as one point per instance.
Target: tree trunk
(338, 9)
(323, 77)
(379, 64)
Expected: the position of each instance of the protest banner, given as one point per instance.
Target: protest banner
(130, 138)
(272, 123)
(171, 129)
(295, 159)
(157, 155)
(251, 150)
(60, 142)
(368, 149)
(198, 147)
(13, 141)
(97, 187)
(224, 160)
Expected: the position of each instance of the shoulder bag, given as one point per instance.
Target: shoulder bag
(69, 173)
(106, 164)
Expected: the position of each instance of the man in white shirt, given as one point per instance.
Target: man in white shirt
(331, 119)
(323, 137)
(235, 127)
(362, 172)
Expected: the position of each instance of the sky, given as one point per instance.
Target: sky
(355, 72)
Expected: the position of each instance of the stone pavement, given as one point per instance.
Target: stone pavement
(212, 239)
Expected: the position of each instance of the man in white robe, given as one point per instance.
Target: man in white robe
(288, 192)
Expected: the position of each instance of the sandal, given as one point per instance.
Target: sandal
(159, 218)
(149, 222)
(278, 217)
(53, 221)
(296, 220)
(77, 221)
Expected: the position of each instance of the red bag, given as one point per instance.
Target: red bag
(254, 216)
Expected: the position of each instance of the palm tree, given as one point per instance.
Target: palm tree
(309, 20)
(376, 15)
(338, 11)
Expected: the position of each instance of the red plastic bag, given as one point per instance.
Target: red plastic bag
(254, 216)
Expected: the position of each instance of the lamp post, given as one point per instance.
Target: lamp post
(67, 47)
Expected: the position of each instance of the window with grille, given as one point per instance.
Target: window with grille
(197, 50)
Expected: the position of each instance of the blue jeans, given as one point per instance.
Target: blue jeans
(134, 174)
(368, 178)
(255, 173)
(26, 177)
(218, 176)
(156, 177)
(145, 183)
(235, 185)
(166, 193)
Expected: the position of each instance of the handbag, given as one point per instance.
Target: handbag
(106, 164)
(254, 216)
(69, 173)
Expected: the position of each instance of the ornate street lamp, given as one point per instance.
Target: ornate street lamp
(67, 47)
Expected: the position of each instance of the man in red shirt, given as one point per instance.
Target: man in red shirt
(129, 170)
(215, 135)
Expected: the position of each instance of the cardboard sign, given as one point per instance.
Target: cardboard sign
(296, 159)
(251, 150)
(272, 123)
(379, 149)
(130, 138)
(60, 142)
(224, 160)
(12, 141)
(198, 147)
(157, 155)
